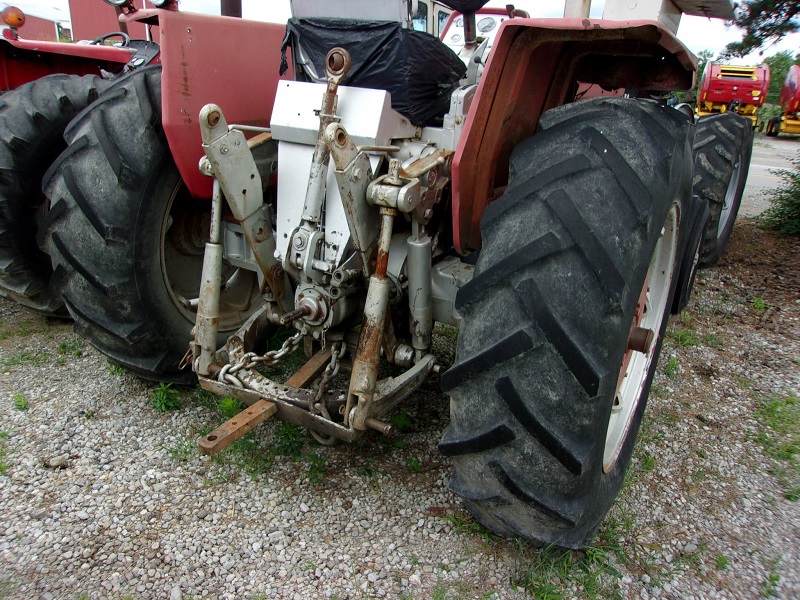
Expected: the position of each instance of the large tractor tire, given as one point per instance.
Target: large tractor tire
(32, 122)
(126, 239)
(547, 394)
(723, 146)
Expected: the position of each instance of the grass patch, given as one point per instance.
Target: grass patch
(20, 402)
(721, 562)
(556, 574)
(34, 359)
(713, 341)
(769, 588)
(115, 369)
(684, 338)
(759, 304)
(72, 347)
(672, 367)
(779, 418)
(4, 464)
(165, 398)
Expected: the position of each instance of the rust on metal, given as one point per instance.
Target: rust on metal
(311, 370)
(641, 339)
(240, 425)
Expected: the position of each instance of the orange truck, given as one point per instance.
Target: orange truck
(732, 88)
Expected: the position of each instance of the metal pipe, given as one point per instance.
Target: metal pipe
(368, 354)
(207, 324)
(577, 9)
(231, 8)
(419, 291)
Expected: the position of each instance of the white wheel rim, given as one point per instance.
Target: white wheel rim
(637, 364)
(730, 196)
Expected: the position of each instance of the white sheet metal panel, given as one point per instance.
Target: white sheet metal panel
(367, 114)
(294, 163)
(367, 10)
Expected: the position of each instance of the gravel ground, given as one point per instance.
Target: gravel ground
(103, 497)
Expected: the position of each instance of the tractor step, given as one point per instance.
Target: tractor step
(239, 426)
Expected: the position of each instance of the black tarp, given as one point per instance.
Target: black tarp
(417, 69)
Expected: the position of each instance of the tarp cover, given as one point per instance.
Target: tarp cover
(417, 69)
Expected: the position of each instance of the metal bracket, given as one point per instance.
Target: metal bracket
(232, 163)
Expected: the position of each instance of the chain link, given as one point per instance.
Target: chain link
(332, 370)
(251, 360)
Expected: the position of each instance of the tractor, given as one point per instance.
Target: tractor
(344, 183)
(789, 100)
(45, 85)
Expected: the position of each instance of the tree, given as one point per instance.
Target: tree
(763, 21)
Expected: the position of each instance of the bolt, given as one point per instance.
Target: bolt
(213, 118)
(428, 214)
(299, 242)
(223, 149)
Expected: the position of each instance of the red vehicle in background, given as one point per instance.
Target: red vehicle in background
(730, 88)
(789, 100)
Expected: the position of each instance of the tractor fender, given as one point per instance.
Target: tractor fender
(534, 66)
(207, 58)
(22, 61)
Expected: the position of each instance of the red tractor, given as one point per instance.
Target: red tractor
(45, 85)
(789, 100)
(731, 88)
(389, 180)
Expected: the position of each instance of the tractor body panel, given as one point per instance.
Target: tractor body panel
(196, 68)
(729, 87)
(533, 67)
(22, 61)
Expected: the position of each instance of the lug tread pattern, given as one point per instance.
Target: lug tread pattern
(598, 224)
(723, 141)
(33, 118)
(510, 347)
(536, 426)
(533, 251)
(476, 442)
(101, 194)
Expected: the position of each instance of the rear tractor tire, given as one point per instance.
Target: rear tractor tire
(579, 255)
(126, 238)
(723, 146)
(32, 122)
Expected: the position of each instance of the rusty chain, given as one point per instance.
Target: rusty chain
(251, 360)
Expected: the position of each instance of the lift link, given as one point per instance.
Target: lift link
(229, 159)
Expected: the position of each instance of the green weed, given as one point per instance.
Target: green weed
(401, 422)
(672, 367)
(413, 464)
(229, 407)
(554, 573)
(770, 586)
(20, 402)
(780, 438)
(4, 464)
(316, 468)
(182, 450)
(684, 338)
(114, 369)
(290, 440)
(712, 341)
(165, 398)
(73, 347)
(759, 304)
(722, 562)
(34, 359)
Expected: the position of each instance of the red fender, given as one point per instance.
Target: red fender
(533, 66)
(206, 58)
(24, 60)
